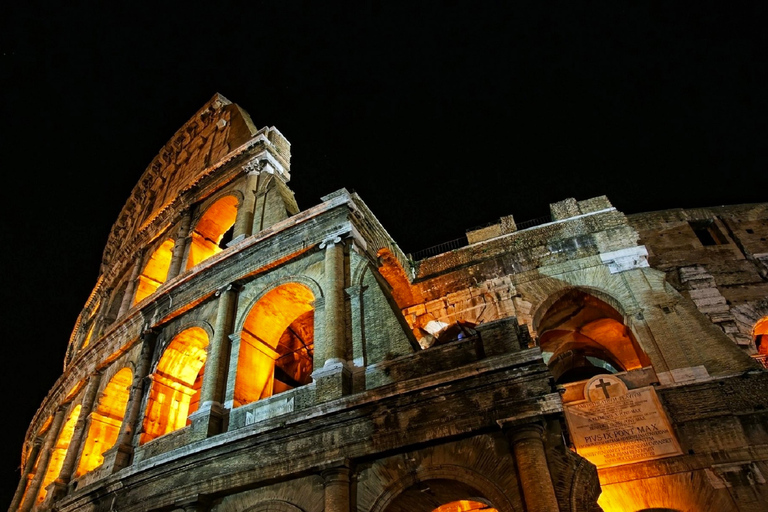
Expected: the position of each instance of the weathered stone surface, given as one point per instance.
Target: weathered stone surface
(316, 394)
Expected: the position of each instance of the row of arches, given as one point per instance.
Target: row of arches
(207, 238)
(276, 355)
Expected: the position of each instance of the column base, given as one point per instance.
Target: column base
(332, 381)
(117, 458)
(210, 419)
(54, 492)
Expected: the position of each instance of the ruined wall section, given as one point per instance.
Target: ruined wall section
(717, 258)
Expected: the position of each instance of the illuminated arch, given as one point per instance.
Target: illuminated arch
(175, 390)
(106, 420)
(760, 336)
(581, 335)
(446, 488)
(87, 339)
(155, 271)
(276, 344)
(208, 237)
(59, 452)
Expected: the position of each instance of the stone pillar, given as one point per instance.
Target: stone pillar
(336, 482)
(209, 418)
(180, 245)
(532, 470)
(130, 288)
(23, 483)
(335, 350)
(65, 475)
(234, 358)
(30, 498)
(119, 456)
(332, 376)
(244, 221)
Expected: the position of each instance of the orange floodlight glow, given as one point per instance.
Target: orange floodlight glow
(155, 271)
(276, 344)
(175, 384)
(59, 452)
(210, 229)
(106, 420)
(464, 506)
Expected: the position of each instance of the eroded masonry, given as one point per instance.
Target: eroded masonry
(238, 354)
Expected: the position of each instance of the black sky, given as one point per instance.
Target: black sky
(442, 116)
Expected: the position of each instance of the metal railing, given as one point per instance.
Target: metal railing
(458, 243)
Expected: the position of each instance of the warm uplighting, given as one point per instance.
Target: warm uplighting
(106, 420)
(464, 506)
(59, 452)
(208, 236)
(581, 336)
(277, 344)
(172, 396)
(155, 271)
(87, 339)
(760, 336)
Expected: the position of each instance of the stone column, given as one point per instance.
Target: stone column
(209, 418)
(31, 458)
(65, 475)
(119, 456)
(336, 482)
(180, 245)
(244, 221)
(130, 288)
(234, 358)
(335, 332)
(332, 376)
(33, 489)
(532, 470)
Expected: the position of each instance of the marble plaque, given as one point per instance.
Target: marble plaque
(631, 427)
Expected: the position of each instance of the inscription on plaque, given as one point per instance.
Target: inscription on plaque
(623, 429)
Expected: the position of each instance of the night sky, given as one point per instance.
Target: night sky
(442, 116)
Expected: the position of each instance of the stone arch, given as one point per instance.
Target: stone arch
(211, 228)
(105, 421)
(540, 309)
(267, 287)
(274, 506)
(167, 336)
(59, 450)
(432, 487)
(582, 335)
(175, 384)
(276, 346)
(155, 271)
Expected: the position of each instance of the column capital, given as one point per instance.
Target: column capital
(336, 471)
(330, 241)
(235, 287)
(520, 429)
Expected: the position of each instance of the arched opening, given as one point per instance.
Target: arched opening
(276, 344)
(106, 420)
(760, 336)
(155, 271)
(212, 231)
(440, 495)
(581, 336)
(87, 339)
(175, 391)
(59, 452)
